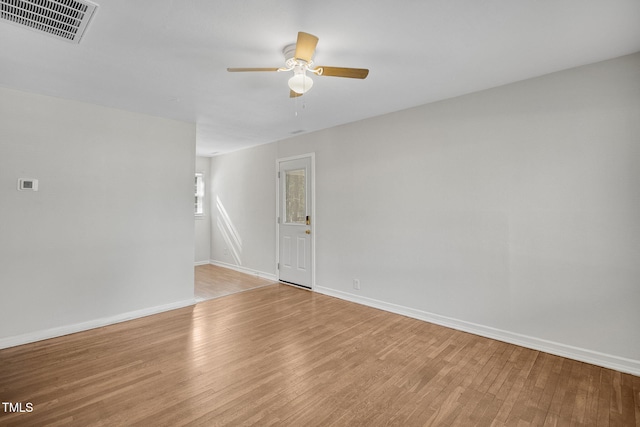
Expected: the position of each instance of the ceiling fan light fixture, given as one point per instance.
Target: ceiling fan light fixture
(300, 83)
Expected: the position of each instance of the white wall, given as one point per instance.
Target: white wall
(243, 209)
(203, 223)
(514, 210)
(111, 230)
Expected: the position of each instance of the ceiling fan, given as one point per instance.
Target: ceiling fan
(299, 59)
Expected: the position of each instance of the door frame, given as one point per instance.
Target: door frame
(312, 157)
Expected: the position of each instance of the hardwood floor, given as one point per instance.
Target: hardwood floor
(212, 281)
(278, 355)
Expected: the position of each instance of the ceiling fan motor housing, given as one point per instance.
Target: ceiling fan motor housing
(291, 61)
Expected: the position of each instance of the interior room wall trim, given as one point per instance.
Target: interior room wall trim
(245, 270)
(621, 364)
(91, 324)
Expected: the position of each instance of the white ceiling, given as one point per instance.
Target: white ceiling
(169, 58)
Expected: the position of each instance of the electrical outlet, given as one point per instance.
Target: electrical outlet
(356, 284)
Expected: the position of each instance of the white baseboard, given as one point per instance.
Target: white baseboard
(91, 324)
(245, 270)
(197, 263)
(621, 364)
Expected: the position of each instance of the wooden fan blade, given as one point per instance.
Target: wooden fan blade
(293, 94)
(239, 70)
(352, 73)
(305, 46)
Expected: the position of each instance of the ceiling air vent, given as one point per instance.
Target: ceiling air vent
(64, 19)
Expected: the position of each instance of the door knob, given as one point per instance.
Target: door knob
(307, 231)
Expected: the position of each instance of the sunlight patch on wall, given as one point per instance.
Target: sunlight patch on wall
(229, 233)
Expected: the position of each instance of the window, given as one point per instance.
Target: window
(199, 207)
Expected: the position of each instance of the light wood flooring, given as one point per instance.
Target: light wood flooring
(212, 281)
(282, 356)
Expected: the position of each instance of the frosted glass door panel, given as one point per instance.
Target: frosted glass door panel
(295, 197)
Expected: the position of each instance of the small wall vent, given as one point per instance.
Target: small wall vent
(63, 19)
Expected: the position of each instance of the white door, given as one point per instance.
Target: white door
(295, 221)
